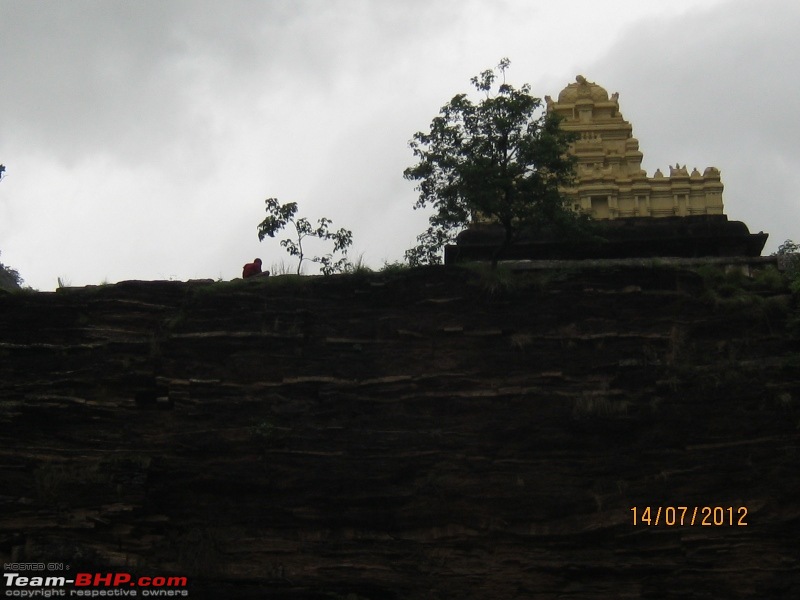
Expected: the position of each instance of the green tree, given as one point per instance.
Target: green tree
(9, 278)
(502, 159)
(788, 248)
(789, 255)
(281, 215)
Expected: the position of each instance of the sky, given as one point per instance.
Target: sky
(141, 139)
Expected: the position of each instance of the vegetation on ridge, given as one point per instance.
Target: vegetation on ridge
(500, 159)
(9, 278)
(281, 215)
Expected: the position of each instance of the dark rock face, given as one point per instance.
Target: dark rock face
(424, 435)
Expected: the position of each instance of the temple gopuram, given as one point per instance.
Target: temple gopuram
(675, 215)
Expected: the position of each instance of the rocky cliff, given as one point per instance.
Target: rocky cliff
(428, 434)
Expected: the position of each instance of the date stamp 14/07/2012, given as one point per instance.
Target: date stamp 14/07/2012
(682, 516)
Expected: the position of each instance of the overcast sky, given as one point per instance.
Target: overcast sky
(141, 138)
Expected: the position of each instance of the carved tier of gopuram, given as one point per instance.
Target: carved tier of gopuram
(611, 183)
(679, 215)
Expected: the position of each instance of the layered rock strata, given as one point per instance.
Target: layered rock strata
(430, 434)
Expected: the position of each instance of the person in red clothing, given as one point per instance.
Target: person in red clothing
(253, 268)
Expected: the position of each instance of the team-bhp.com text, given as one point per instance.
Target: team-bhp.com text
(93, 585)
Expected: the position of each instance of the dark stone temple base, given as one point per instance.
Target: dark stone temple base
(636, 237)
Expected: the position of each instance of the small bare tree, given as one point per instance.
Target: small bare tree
(280, 215)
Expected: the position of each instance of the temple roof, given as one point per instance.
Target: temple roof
(582, 89)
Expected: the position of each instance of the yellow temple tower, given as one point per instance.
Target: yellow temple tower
(611, 183)
(675, 215)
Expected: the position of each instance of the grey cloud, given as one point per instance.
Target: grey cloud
(90, 76)
(76, 75)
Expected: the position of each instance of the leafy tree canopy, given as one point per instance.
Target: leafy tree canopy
(788, 248)
(502, 159)
(789, 255)
(9, 278)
